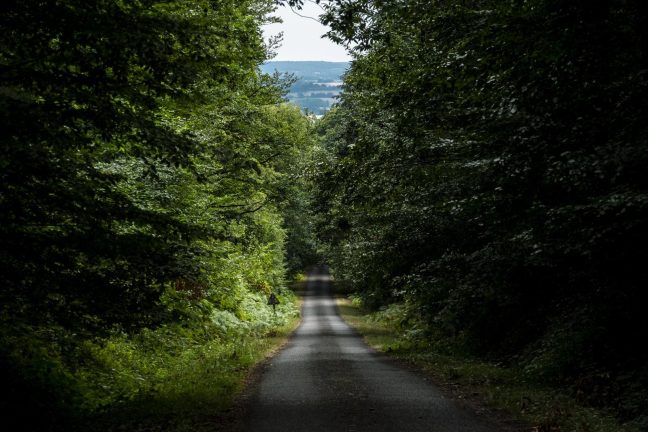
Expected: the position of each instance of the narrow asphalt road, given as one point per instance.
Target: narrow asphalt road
(328, 379)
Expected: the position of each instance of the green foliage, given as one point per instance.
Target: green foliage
(484, 166)
(150, 192)
(169, 373)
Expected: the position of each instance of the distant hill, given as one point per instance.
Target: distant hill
(318, 85)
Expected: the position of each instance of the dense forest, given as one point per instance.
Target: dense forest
(149, 172)
(484, 170)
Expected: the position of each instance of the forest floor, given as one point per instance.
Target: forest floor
(500, 392)
(194, 411)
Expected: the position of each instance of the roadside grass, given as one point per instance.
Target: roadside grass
(502, 389)
(195, 386)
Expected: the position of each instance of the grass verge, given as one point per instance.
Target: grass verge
(195, 386)
(500, 390)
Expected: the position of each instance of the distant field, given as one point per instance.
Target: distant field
(319, 82)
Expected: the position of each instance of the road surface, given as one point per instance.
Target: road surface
(328, 379)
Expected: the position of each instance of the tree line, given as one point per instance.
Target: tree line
(486, 168)
(149, 172)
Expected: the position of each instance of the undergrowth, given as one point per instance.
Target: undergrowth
(501, 387)
(174, 378)
(163, 381)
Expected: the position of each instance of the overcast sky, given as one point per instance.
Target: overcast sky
(302, 37)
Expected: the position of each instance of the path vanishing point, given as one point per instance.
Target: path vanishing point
(328, 379)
